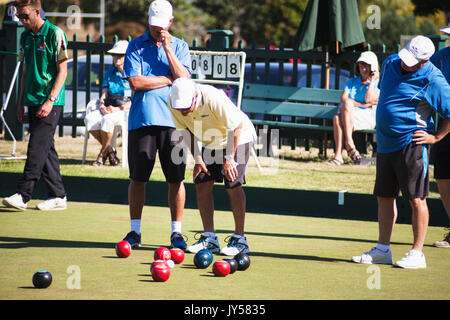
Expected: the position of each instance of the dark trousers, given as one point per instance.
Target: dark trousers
(42, 159)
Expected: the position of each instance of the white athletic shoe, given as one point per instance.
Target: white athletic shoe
(205, 243)
(444, 243)
(374, 256)
(235, 246)
(53, 204)
(412, 260)
(15, 201)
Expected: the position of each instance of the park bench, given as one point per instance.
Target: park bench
(299, 112)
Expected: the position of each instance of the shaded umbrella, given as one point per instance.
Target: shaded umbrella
(330, 24)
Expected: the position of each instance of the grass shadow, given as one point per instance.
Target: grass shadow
(302, 236)
(19, 243)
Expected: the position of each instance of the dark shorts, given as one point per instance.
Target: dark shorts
(405, 170)
(441, 156)
(144, 143)
(214, 161)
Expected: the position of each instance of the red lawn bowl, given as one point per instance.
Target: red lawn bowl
(162, 253)
(158, 263)
(123, 249)
(177, 255)
(160, 271)
(221, 268)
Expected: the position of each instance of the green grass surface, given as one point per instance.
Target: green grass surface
(292, 258)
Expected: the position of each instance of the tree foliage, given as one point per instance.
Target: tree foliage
(257, 21)
(397, 19)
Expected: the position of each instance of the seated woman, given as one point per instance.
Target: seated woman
(113, 102)
(357, 108)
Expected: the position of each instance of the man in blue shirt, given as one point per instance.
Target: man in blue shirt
(152, 62)
(411, 88)
(441, 150)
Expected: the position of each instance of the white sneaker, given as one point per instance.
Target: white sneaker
(53, 204)
(444, 243)
(235, 246)
(374, 256)
(15, 201)
(205, 243)
(412, 260)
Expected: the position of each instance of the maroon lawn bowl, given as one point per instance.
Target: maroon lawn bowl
(123, 249)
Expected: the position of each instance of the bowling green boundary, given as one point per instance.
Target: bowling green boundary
(292, 257)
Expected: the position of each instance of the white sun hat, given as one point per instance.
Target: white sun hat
(120, 47)
(370, 58)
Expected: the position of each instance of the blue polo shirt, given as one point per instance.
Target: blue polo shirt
(114, 82)
(357, 90)
(441, 60)
(399, 111)
(144, 58)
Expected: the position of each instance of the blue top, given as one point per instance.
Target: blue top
(114, 82)
(357, 91)
(144, 58)
(441, 60)
(399, 111)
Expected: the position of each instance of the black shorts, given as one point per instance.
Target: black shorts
(214, 161)
(405, 170)
(144, 142)
(441, 156)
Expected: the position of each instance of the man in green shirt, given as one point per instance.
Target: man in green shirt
(43, 51)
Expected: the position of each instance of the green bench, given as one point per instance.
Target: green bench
(300, 112)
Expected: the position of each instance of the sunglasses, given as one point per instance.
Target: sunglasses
(24, 16)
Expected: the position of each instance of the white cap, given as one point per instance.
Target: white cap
(120, 47)
(419, 49)
(160, 13)
(182, 93)
(370, 58)
(446, 29)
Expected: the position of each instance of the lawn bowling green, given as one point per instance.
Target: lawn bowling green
(292, 257)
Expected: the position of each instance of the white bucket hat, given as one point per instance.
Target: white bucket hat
(370, 58)
(182, 93)
(160, 13)
(120, 47)
(419, 49)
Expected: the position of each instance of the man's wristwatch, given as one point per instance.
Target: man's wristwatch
(51, 98)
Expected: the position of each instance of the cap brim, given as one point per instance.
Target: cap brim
(115, 52)
(179, 106)
(408, 58)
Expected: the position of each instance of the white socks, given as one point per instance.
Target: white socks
(136, 225)
(176, 226)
